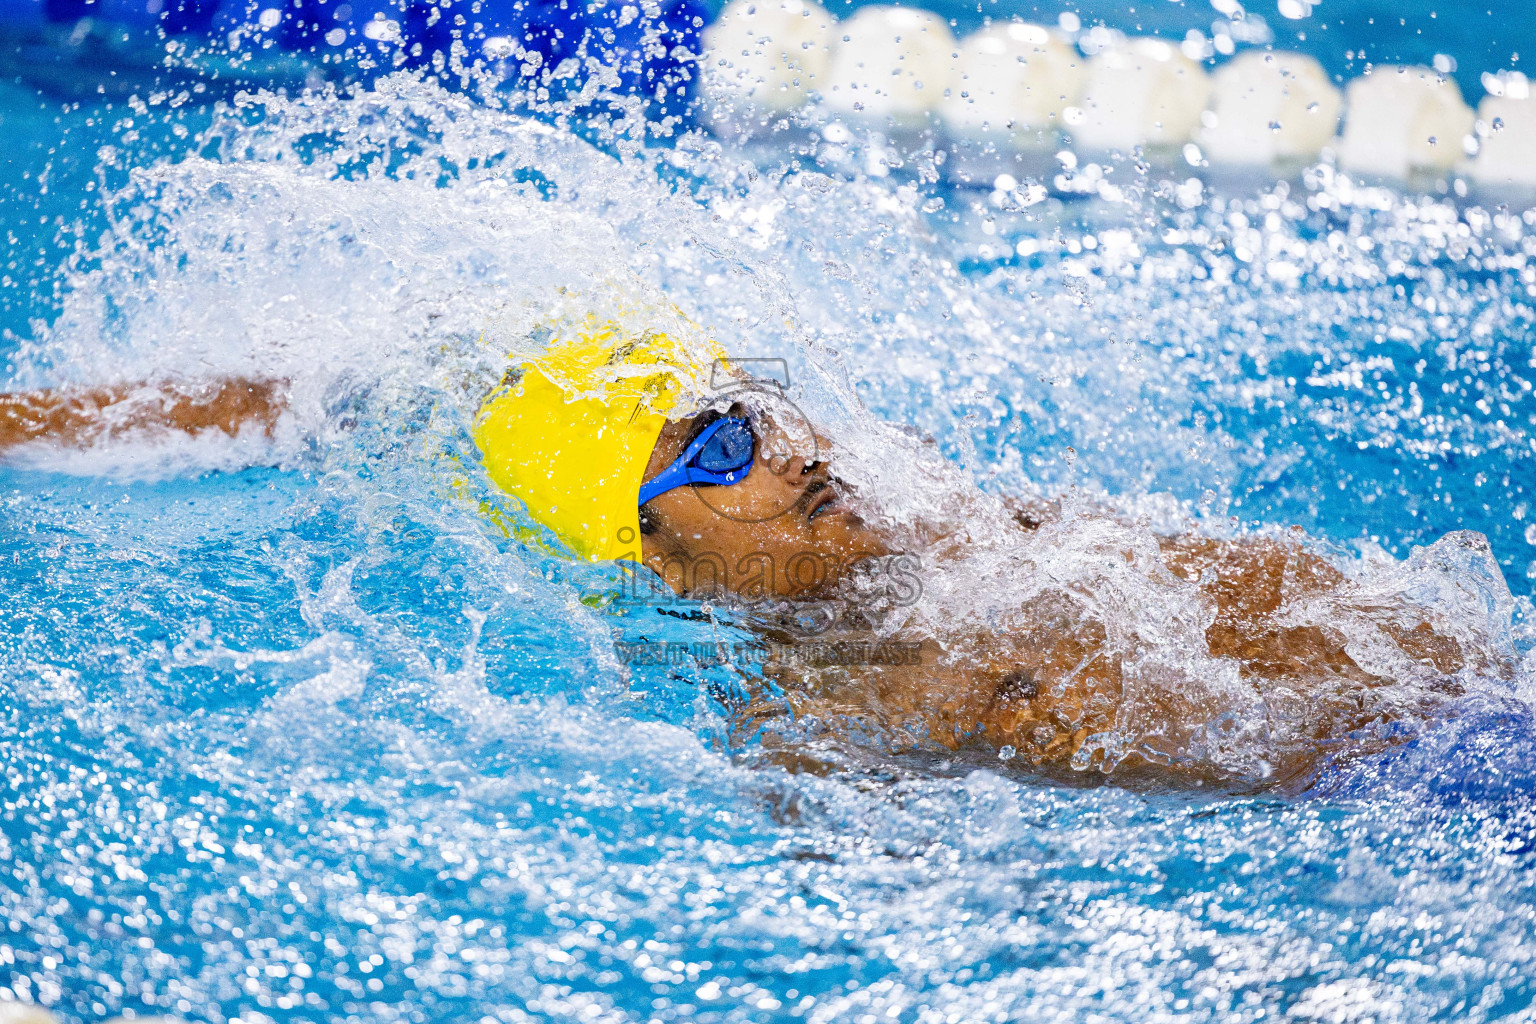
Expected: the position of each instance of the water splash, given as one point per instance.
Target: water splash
(324, 739)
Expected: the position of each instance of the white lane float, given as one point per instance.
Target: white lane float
(13, 1012)
(763, 59)
(1141, 92)
(1004, 92)
(1270, 107)
(890, 63)
(1010, 84)
(1506, 132)
(1402, 120)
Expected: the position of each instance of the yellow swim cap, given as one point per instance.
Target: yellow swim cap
(571, 431)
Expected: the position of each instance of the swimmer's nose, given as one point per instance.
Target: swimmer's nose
(800, 467)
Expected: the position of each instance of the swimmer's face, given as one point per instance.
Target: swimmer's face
(789, 529)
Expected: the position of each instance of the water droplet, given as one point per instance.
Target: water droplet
(1070, 455)
(1006, 753)
(1274, 126)
(1498, 124)
(1530, 534)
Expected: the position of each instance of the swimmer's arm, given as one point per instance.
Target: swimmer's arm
(80, 416)
(1253, 580)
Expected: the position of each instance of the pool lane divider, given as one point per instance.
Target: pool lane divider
(1001, 100)
(14, 1011)
(1015, 89)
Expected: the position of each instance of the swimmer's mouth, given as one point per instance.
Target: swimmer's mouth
(824, 499)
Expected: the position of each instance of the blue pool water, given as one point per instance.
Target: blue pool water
(292, 730)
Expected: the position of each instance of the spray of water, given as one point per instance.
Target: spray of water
(344, 738)
(388, 250)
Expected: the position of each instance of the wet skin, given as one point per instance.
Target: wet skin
(1044, 684)
(81, 416)
(1052, 679)
(788, 529)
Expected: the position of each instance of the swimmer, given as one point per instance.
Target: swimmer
(616, 446)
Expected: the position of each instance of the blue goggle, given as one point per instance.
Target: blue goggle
(721, 454)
